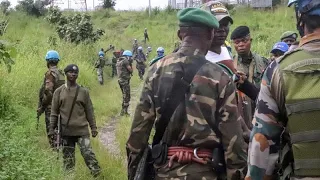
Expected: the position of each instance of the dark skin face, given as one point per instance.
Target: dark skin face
(242, 45)
(72, 77)
(289, 40)
(221, 34)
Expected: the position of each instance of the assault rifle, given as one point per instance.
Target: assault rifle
(58, 136)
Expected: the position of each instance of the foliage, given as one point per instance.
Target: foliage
(7, 52)
(54, 15)
(75, 28)
(108, 4)
(35, 8)
(4, 6)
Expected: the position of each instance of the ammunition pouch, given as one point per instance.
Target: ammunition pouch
(159, 154)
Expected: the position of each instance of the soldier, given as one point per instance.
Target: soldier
(149, 50)
(116, 56)
(287, 114)
(146, 36)
(160, 55)
(73, 105)
(53, 79)
(278, 50)
(124, 71)
(249, 63)
(289, 37)
(99, 64)
(196, 119)
(140, 59)
(135, 47)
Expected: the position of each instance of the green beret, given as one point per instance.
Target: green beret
(197, 17)
(289, 34)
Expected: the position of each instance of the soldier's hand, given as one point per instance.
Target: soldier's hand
(242, 76)
(94, 133)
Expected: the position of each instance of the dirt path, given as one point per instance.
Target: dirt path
(108, 131)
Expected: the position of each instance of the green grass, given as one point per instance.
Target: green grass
(24, 152)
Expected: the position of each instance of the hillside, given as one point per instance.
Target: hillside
(24, 153)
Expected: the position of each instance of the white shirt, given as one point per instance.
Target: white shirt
(214, 57)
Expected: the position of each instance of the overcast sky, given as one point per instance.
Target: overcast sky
(120, 4)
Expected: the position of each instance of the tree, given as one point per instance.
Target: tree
(4, 5)
(108, 4)
(35, 8)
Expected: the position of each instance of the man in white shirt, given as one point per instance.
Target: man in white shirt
(219, 53)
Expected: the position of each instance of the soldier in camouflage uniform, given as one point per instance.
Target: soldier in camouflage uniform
(206, 119)
(73, 105)
(135, 47)
(287, 113)
(140, 59)
(250, 64)
(124, 71)
(116, 56)
(53, 79)
(99, 64)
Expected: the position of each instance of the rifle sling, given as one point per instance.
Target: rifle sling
(72, 106)
(170, 107)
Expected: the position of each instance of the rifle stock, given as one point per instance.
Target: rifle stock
(58, 139)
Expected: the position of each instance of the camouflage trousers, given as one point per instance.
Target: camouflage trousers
(141, 69)
(47, 113)
(69, 143)
(100, 75)
(114, 70)
(125, 89)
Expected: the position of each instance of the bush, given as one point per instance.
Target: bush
(75, 29)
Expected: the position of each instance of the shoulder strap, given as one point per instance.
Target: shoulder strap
(72, 106)
(171, 106)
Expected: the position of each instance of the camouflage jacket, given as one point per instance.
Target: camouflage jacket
(53, 79)
(265, 135)
(209, 101)
(140, 57)
(253, 67)
(122, 71)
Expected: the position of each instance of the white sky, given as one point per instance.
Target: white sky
(120, 4)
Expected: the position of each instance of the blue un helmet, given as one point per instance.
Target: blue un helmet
(305, 7)
(140, 48)
(160, 51)
(127, 53)
(101, 54)
(52, 55)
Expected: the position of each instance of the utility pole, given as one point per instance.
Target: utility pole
(69, 4)
(149, 8)
(93, 5)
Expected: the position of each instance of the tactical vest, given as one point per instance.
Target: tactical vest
(301, 75)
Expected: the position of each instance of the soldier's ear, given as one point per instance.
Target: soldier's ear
(179, 34)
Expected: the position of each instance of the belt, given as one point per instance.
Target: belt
(186, 155)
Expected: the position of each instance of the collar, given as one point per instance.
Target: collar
(248, 58)
(310, 37)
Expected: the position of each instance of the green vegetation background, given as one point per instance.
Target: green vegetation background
(24, 152)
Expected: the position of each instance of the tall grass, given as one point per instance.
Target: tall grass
(24, 152)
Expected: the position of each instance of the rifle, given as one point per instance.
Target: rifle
(38, 117)
(58, 133)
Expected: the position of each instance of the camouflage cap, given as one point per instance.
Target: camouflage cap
(217, 9)
(289, 34)
(197, 17)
